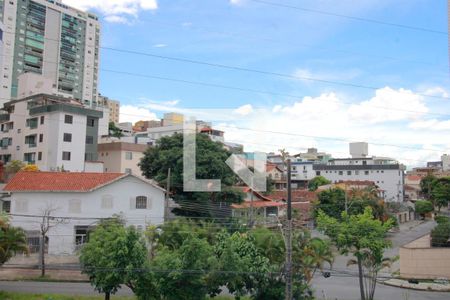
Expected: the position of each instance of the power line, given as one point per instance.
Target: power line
(354, 18)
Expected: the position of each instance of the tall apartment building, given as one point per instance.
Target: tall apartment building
(49, 38)
(113, 106)
(49, 131)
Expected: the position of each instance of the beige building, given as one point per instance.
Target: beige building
(120, 157)
(113, 106)
(171, 119)
(421, 261)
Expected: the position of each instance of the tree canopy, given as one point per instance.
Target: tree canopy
(363, 236)
(423, 207)
(210, 156)
(316, 182)
(12, 240)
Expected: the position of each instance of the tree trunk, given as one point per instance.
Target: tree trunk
(107, 295)
(361, 282)
(42, 255)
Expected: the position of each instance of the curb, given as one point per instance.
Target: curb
(416, 288)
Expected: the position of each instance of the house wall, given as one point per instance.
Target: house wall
(62, 236)
(418, 260)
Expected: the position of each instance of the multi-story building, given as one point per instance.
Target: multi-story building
(54, 40)
(121, 157)
(141, 125)
(171, 119)
(113, 106)
(385, 172)
(49, 131)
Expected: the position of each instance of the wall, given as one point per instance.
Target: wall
(419, 260)
(62, 237)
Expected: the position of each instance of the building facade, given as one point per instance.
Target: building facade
(49, 131)
(78, 201)
(386, 173)
(50, 38)
(121, 157)
(113, 107)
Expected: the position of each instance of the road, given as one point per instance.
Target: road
(342, 286)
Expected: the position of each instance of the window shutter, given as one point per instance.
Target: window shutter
(132, 203)
(149, 203)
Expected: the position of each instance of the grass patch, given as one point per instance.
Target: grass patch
(25, 296)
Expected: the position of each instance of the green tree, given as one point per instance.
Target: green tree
(114, 255)
(316, 182)
(441, 192)
(426, 185)
(12, 240)
(114, 130)
(365, 238)
(331, 202)
(14, 166)
(184, 273)
(423, 207)
(210, 156)
(440, 235)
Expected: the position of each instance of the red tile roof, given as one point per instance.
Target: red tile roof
(297, 195)
(256, 204)
(60, 181)
(414, 177)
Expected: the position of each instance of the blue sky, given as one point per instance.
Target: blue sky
(248, 34)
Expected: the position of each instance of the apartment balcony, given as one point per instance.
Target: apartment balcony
(4, 117)
(32, 145)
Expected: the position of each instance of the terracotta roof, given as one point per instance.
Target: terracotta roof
(60, 181)
(246, 189)
(413, 177)
(256, 204)
(270, 167)
(297, 195)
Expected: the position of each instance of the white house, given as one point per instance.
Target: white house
(78, 201)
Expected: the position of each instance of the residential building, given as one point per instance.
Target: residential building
(113, 107)
(172, 119)
(54, 40)
(126, 128)
(121, 157)
(78, 201)
(141, 126)
(301, 173)
(386, 173)
(442, 165)
(277, 176)
(214, 134)
(312, 155)
(49, 131)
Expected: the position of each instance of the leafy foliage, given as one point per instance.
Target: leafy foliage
(30, 168)
(114, 130)
(440, 235)
(441, 192)
(12, 240)
(316, 182)
(423, 207)
(211, 157)
(113, 256)
(14, 166)
(364, 237)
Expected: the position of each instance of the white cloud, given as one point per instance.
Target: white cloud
(117, 11)
(130, 113)
(389, 105)
(432, 124)
(437, 91)
(236, 2)
(244, 110)
(159, 46)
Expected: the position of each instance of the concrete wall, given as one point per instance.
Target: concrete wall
(62, 236)
(419, 260)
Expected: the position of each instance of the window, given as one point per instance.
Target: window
(41, 138)
(317, 173)
(341, 173)
(356, 172)
(67, 137)
(42, 119)
(366, 172)
(364, 162)
(89, 139)
(107, 201)
(68, 119)
(32, 123)
(128, 155)
(21, 205)
(39, 155)
(29, 157)
(81, 236)
(349, 172)
(128, 170)
(66, 155)
(141, 202)
(90, 122)
(6, 206)
(75, 206)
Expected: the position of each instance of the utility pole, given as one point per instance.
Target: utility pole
(252, 211)
(166, 202)
(289, 234)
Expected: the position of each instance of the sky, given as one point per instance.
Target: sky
(276, 76)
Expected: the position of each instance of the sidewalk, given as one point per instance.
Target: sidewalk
(9, 273)
(421, 286)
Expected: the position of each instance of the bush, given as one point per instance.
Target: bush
(440, 235)
(423, 207)
(442, 219)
